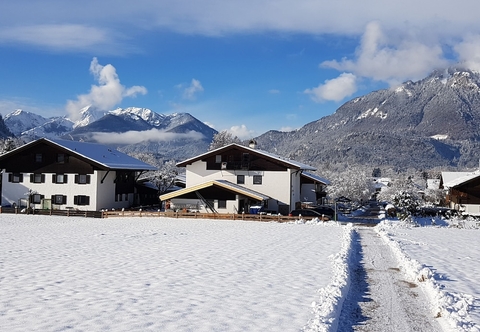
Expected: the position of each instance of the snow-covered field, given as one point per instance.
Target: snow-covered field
(158, 274)
(446, 261)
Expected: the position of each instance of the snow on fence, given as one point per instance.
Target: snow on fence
(152, 213)
(199, 215)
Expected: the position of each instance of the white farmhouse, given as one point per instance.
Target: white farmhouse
(61, 174)
(236, 179)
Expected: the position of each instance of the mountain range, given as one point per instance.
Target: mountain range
(430, 123)
(174, 136)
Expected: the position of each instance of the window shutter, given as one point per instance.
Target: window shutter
(43, 178)
(75, 200)
(65, 178)
(32, 178)
(10, 177)
(42, 197)
(88, 179)
(53, 199)
(21, 177)
(64, 200)
(87, 200)
(76, 178)
(54, 178)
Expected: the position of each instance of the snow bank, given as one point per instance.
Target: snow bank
(328, 306)
(453, 306)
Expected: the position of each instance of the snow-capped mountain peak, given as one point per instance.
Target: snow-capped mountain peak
(88, 115)
(19, 121)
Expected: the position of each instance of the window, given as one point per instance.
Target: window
(38, 157)
(218, 158)
(222, 204)
(15, 177)
(240, 179)
(257, 179)
(59, 199)
(36, 198)
(37, 178)
(62, 158)
(59, 178)
(82, 178)
(81, 200)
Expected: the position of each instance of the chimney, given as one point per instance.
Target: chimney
(252, 144)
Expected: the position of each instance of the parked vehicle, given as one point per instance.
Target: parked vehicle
(309, 213)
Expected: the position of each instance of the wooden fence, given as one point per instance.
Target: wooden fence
(149, 214)
(198, 215)
(65, 213)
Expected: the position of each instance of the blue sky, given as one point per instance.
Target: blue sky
(246, 66)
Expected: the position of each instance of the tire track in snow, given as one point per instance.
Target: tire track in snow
(380, 299)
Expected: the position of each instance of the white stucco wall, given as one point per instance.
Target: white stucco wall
(12, 192)
(106, 193)
(105, 199)
(198, 205)
(274, 184)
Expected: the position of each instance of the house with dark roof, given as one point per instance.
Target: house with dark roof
(62, 174)
(236, 179)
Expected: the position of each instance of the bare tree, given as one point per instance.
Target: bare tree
(9, 144)
(354, 183)
(223, 138)
(164, 178)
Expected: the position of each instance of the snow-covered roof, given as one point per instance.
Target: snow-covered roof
(316, 178)
(101, 155)
(217, 183)
(460, 179)
(104, 155)
(451, 179)
(292, 163)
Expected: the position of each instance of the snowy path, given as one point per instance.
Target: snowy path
(380, 299)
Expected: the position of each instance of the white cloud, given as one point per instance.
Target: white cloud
(335, 89)
(443, 19)
(241, 132)
(56, 36)
(133, 137)
(190, 92)
(469, 52)
(107, 94)
(393, 62)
